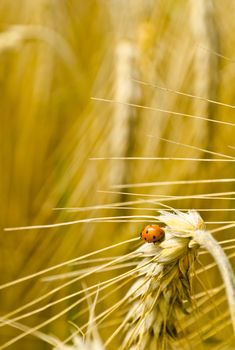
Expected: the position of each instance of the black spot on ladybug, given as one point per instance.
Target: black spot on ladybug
(147, 231)
(154, 237)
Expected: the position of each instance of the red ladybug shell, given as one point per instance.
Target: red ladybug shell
(152, 233)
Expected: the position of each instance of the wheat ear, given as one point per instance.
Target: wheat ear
(163, 290)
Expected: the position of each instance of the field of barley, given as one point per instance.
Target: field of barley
(112, 110)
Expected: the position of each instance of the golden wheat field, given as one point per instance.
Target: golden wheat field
(116, 115)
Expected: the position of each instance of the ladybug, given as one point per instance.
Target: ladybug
(152, 233)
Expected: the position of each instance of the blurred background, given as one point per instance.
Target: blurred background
(54, 56)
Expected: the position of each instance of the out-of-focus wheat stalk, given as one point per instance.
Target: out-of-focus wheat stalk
(206, 72)
(121, 135)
